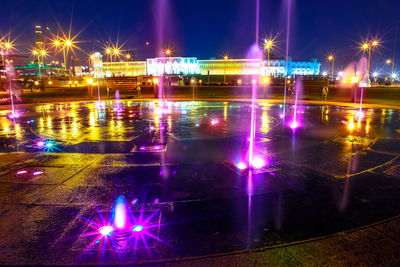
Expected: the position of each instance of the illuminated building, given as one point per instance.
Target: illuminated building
(193, 66)
(39, 41)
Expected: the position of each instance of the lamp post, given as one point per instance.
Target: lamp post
(268, 45)
(332, 58)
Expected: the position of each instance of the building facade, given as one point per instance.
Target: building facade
(193, 66)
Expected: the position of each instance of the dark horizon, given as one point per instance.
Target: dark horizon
(213, 29)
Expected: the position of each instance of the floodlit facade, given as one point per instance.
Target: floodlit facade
(193, 66)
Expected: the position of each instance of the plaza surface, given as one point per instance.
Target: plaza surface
(326, 193)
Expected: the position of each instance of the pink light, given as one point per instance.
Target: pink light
(14, 115)
(156, 201)
(37, 173)
(106, 230)
(157, 147)
(152, 128)
(133, 202)
(142, 148)
(294, 125)
(258, 163)
(241, 166)
(281, 115)
(214, 122)
(40, 144)
(22, 172)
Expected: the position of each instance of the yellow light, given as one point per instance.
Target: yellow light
(34, 52)
(149, 81)
(365, 46)
(92, 57)
(155, 80)
(226, 57)
(200, 81)
(50, 82)
(288, 81)
(354, 79)
(116, 51)
(89, 81)
(7, 45)
(375, 43)
(239, 81)
(43, 52)
(350, 125)
(56, 43)
(128, 56)
(36, 83)
(68, 43)
(330, 57)
(69, 82)
(168, 52)
(266, 80)
(76, 82)
(388, 61)
(108, 50)
(192, 80)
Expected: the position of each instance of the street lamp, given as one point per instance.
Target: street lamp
(368, 46)
(268, 45)
(332, 58)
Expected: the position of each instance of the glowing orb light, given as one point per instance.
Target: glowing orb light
(137, 228)
(40, 144)
(106, 230)
(49, 144)
(294, 125)
(281, 115)
(142, 148)
(21, 172)
(214, 122)
(14, 115)
(241, 166)
(258, 163)
(156, 201)
(37, 173)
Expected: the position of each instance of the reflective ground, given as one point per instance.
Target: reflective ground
(182, 171)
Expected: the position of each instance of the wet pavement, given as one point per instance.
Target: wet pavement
(64, 165)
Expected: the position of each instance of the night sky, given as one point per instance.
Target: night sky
(212, 28)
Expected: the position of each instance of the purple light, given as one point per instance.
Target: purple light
(106, 230)
(258, 163)
(21, 172)
(157, 147)
(241, 166)
(37, 173)
(294, 125)
(142, 148)
(137, 228)
(156, 201)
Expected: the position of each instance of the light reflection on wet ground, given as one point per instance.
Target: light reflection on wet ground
(335, 172)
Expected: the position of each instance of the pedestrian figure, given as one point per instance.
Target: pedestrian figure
(325, 91)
